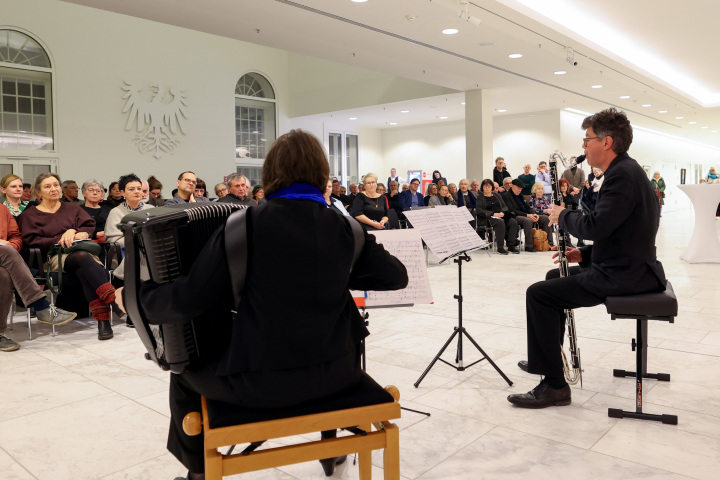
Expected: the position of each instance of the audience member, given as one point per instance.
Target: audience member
(528, 180)
(440, 183)
(27, 195)
(70, 192)
(712, 176)
(114, 197)
(436, 175)
(93, 193)
(524, 215)
(432, 190)
(186, 190)
(237, 190)
(258, 194)
(500, 172)
(475, 188)
(543, 176)
(155, 186)
(11, 187)
(200, 189)
(538, 201)
(343, 190)
(452, 189)
(575, 176)
(393, 196)
(411, 198)
(393, 176)
(569, 202)
(54, 222)
(592, 187)
(14, 274)
(145, 191)
(220, 190)
(131, 188)
(658, 185)
(405, 187)
(491, 209)
(370, 208)
(333, 203)
(353, 191)
(442, 198)
(465, 198)
(339, 196)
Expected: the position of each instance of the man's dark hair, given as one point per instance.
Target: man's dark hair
(611, 123)
(125, 179)
(295, 157)
(180, 177)
(414, 180)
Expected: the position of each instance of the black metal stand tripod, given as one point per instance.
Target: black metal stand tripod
(460, 331)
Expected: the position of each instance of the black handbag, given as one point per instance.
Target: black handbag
(89, 246)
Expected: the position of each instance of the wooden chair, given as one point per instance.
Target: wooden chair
(360, 407)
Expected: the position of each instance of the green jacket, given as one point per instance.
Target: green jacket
(659, 185)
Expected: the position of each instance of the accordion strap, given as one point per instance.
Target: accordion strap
(236, 241)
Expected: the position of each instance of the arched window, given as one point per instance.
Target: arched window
(25, 94)
(255, 124)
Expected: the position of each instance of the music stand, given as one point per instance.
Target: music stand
(459, 331)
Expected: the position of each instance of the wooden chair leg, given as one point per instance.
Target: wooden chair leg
(365, 458)
(391, 455)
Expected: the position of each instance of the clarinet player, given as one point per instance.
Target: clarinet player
(621, 260)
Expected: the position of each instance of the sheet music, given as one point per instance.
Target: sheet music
(406, 245)
(446, 230)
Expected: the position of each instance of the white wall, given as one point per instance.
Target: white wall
(95, 51)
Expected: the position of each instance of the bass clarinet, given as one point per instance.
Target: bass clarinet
(573, 368)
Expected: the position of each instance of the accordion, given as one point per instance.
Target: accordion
(170, 239)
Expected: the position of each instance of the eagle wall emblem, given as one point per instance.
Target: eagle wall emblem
(158, 123)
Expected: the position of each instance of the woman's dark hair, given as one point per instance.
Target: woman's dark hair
(154, 183)
(295, 157)
(41, 177)
(611, 123)
(563, 181)
(259, 187)
(125, 179)
(110, 187)
(201, 184)
(487, 181)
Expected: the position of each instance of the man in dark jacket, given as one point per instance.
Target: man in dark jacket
(500, 173)
(621, 261)
(524, 214)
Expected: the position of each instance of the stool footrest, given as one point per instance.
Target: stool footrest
(666, 419)
(662, 377)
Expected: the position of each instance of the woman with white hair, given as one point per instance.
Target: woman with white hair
(370, 208)
(93, 192)
(658, 185)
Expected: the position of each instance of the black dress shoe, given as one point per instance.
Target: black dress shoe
(513, 249)
(542, 396)
(502, 251)
(328, 464)
(523, 365)
(104, 330)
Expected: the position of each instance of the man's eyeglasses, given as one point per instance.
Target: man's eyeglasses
(190, 181)
(585, 140)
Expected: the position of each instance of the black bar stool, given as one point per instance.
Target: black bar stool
(661, 306)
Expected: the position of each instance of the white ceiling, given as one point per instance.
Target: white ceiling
(403, 37)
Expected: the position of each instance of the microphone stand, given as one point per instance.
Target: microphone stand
(460, 331)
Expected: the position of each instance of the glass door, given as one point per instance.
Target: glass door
(343, 157)
(26, 168)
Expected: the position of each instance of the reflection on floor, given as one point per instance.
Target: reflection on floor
(76, 408)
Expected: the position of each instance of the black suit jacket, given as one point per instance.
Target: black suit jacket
(512, 203)
(623, 226)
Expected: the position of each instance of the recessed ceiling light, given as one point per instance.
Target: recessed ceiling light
(450, 31)
(692, 123)
(560, 72)
(515, 55)
(404, 111)
(647, 105)
(662, 111)
(393, 123)
(713, 131)
(462, 103)
(358, 1)
(704, 127)
(597, 86)
(443, 118)
(625, 97)
(679, 118)
(502, 110)
(352, 118)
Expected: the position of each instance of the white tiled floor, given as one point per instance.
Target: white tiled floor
(76, 408)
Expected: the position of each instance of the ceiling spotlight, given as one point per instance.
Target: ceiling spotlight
(560, 72)
(462, 103)
(404, 111)
(646, 105)
(450, 31)
(352, 118)
(443, 118)
(692, 123)
(625, 97)
(502, 110)
(358, 1)
(704, 127)
(679, 118)
(515, 55)
(713, 131)
(597, 86)
(662, 111)
(393, 123)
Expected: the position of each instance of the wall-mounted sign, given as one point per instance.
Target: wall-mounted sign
(158, 114)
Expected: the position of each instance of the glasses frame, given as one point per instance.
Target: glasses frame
(586, 139)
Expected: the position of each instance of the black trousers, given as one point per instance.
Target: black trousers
(545, 304)
(505, 228)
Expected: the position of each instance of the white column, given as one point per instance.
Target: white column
(478, 134)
